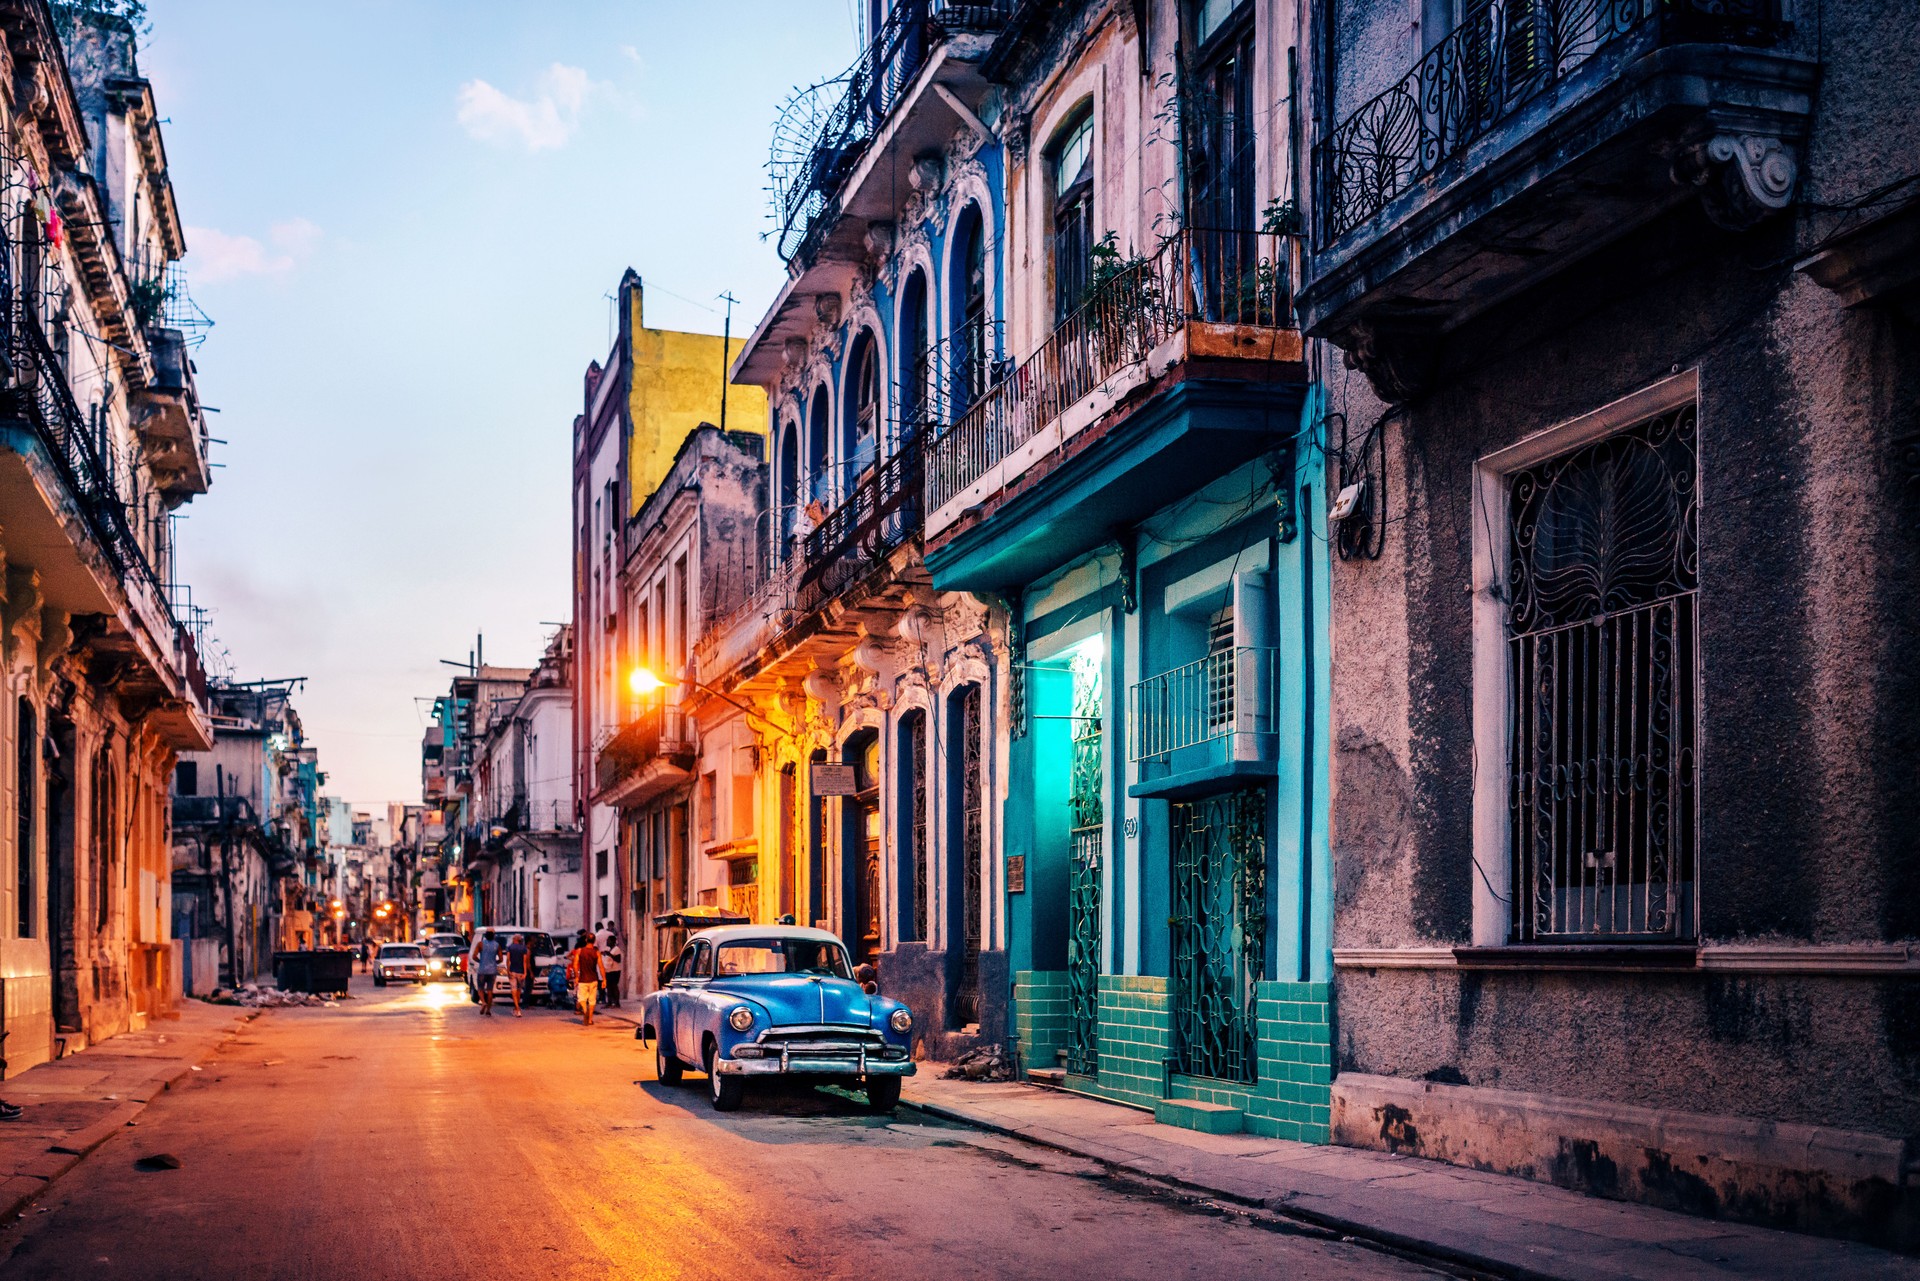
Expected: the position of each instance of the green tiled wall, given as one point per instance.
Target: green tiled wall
(1291, 1098)
(1040, 1016)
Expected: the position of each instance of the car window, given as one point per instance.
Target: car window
(399, 949)
(702, 961)
(447, 949)
(783, 956)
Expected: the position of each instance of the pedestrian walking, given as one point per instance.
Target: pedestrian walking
(611, 958)
(486, 968)
(366, 957)
(519, 967)
(587, 968)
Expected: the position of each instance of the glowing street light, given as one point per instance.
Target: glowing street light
(642, 681)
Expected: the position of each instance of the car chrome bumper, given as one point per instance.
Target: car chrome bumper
(809, 1065)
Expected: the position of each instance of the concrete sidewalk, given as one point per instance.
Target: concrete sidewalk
(75, 1104)
(1482, 1222)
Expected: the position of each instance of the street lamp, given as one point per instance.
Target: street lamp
(642, 681)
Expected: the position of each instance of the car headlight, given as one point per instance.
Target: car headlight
(901, 1020)
(741, 1019)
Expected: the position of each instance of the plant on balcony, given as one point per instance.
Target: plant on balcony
(1121, 300)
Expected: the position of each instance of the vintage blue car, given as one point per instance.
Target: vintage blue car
(761, 1000)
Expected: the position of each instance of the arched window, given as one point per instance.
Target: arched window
(817, 437)
(787, 521)
(1070, 162)
(916, 386)
(861, 441)
(972, 356)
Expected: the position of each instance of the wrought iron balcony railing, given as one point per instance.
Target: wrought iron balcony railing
(659, 730)
(1230, 697)
(1239, 278)
(882, 512)
(1496, 60)
(824, 130)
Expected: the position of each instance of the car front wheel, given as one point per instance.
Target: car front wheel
(725, 1091)
(666, 1067)
(379, 980)
(883, 1093)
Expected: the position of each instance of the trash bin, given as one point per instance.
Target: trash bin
(290, 970)
(323, 972)
(330, 971)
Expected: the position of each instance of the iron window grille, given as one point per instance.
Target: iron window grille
(1602, 656)
(1086, 810)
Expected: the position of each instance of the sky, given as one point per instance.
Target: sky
(405, 219)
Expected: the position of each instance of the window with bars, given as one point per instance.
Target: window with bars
(26, 799)
(1602, 669)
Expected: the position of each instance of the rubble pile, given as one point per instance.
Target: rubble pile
(255, 997)
(988, 1063)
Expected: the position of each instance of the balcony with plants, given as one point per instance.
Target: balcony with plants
(1532, 133)
(1167, 376)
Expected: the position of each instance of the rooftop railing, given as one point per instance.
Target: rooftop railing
(824, 130)
(1497, 59)
(1218, 277)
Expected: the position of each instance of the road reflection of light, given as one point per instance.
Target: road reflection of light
(441, 997)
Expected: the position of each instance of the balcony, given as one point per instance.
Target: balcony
(1536, 132)
(845, 571)
(833, 135)
(69, 523)
(643, 758)
(1166, 378)
(170, 419)
(1211, 720)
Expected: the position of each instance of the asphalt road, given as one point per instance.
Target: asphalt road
(401, 1135)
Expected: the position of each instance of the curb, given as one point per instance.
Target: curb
(1394, 1242)
(22, 1189)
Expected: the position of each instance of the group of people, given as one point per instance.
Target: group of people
(593, 964)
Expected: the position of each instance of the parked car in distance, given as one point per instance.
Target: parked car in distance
(399, 963)
(767, 1000)
(548, 950)
(447, 961)
(443, 940)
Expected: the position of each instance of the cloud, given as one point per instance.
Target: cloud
(218, 255)
(541, 122)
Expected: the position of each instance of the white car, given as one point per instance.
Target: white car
(547, 952)
(399, 963)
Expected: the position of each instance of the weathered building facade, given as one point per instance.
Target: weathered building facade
(654, 388)
(874, 697)
(242, 830)
(1138, 491)
(1623, 816)
(687, 823)
(527, 808)
(101, 436)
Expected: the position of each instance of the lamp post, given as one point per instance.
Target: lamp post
(643, 682)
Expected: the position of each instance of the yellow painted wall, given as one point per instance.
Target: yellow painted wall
(676, 386)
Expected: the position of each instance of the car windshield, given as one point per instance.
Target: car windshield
(448, 949)
(400, 950)
(537, 943)
(783, 956)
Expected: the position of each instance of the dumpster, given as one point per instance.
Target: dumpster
(326, 971)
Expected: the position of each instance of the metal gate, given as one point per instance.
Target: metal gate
(1086, 819)
(967, 997)
(1219, 931)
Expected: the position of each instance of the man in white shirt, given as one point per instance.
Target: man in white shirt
(602, 934)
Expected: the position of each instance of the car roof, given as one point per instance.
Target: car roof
(730, 933)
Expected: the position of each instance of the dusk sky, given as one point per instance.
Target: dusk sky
(405, 219)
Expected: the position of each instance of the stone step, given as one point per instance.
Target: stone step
(1048, 1076)
(1208, 1118)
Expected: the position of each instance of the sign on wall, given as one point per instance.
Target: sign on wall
(830, 779)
